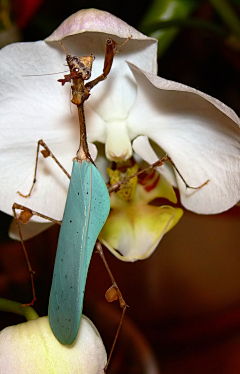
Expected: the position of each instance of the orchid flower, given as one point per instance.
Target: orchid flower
(31, 347)
(133, 113)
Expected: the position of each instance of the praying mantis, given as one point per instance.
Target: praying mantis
(86, 210)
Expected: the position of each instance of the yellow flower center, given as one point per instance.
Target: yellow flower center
(127, 189)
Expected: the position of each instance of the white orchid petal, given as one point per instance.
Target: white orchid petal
(198, 132)
(31, 347)
(95, 125)
(102, 163)
(33, 108)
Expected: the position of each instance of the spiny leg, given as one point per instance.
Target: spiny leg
(46, 153)
(111, 49)
(24, 217)
(112, 294)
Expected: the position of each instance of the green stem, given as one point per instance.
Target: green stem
(17, 308)
(228, 15)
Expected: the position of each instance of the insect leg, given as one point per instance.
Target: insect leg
(116, 186)
(24, 217)
(167, 158)
(111, 50)
(46, 153)
(117, 295)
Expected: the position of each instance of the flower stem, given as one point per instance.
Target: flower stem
(17, 308)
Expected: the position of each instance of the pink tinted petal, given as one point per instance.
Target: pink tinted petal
(94, 20)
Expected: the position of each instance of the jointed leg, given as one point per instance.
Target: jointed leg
(115, 187)
(46, 153)
(111, 49)
(24, 217)
(112, 294)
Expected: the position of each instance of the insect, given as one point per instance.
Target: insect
(86, 211)
(87, 208)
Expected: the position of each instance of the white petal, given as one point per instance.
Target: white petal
(198, 132)
(31, 347)
(33, 108)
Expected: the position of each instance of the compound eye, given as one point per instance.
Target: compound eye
(76, 70)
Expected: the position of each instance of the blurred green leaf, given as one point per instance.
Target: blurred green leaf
(228, 15)
(161, 12)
